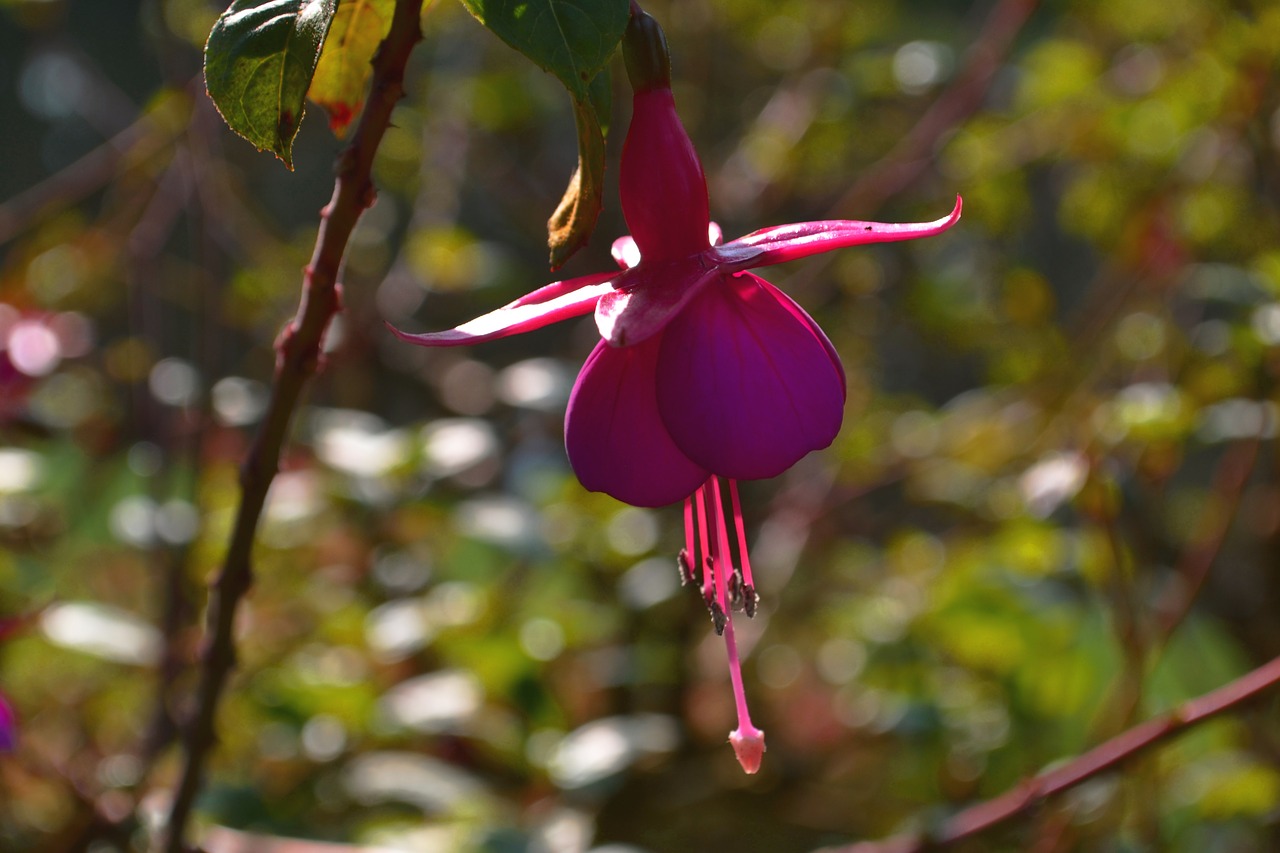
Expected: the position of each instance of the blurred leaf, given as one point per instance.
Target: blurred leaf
(259, 61)
(569, 38)
(338, 84)
(571, 225)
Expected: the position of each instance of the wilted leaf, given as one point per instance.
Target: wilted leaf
(572, 39)
(571, 225)
(338, 84)
(259, 61)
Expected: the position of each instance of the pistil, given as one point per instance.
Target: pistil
(726, 587)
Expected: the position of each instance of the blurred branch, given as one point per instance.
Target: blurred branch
(1192, 571)
(138, 143)
(1101, 759)
(297, 359)
(898, 169)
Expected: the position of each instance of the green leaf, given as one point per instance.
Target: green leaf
(338, 84)
(572, 39)
(571, 225)
(258, 65)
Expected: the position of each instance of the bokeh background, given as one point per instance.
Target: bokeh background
(1053, 511)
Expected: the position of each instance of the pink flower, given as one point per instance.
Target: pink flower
(704, 371)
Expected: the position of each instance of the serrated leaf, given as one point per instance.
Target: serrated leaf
(338, 84)
(572, 39)
(571, 225)
(258, 65)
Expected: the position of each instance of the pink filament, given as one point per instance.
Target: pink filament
(703, 541)
(689, 554)
(743, 561)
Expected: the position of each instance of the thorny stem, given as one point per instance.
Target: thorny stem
(1101, 759)
(297, 359)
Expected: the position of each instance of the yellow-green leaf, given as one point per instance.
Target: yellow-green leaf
(342, 74)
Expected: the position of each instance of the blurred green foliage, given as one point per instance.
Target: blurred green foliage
(1062, 414)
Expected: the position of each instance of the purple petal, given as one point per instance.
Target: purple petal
(802, 239)
(544, 306)
(803, 316)
(8, 727)
(614, 435)
(747, 386)
(647, 297)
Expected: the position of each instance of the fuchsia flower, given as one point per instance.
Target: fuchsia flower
(704, 370)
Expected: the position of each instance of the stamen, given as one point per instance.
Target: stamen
(742, 536)
(683, 560)
(700, 501)
(719, 543)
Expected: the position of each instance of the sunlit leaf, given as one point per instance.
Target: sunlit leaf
(342, 73)
(259, 61)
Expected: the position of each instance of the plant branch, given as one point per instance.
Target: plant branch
(907, 160)
(1101, 759)
(1196, 561)
(297, 359)
(140, 142)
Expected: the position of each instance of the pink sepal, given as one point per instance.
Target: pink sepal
(544, 306)
(802, 239)
(646, 298)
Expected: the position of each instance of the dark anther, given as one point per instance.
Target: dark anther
(682, 566)
(708, 572)
(718, 618)
(736, 599)
(750, 600)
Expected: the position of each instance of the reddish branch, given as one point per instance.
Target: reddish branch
(1101, 759)
(898, 169)
(297, 359)
(140, 142)
(1193, 568)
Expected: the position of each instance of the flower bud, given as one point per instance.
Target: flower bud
(644, 49)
